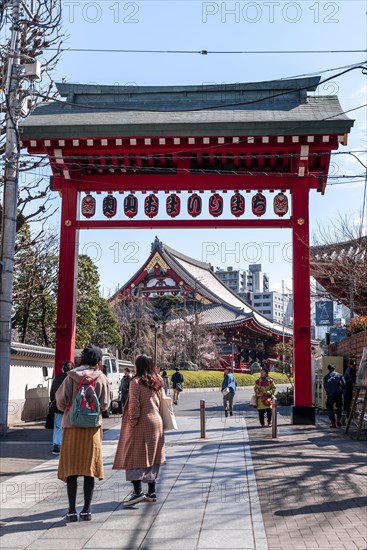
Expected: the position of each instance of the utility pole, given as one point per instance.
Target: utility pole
(9, 211)
(352, 287)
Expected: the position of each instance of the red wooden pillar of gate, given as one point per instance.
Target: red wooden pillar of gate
(68, 264)
(303, 412)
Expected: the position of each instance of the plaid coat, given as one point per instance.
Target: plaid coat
(141, 443)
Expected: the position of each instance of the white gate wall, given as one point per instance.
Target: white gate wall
(28, 390)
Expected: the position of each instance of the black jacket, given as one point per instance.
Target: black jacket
(124, 388)
(58, 380)
(177, 378)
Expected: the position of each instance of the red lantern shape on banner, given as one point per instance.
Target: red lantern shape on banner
(151, 205)
(130, 206)
(237, 205)
(194, 205)
(173, 205)
(88, 206)
(216, 205)
(258, 204)
(280, 204)
(109, 206)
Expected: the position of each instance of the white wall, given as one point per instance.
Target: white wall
(28, 391)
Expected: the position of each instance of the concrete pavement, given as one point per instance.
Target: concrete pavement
(238, 488)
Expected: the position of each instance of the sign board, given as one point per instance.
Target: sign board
(324, 313)
(337, 333)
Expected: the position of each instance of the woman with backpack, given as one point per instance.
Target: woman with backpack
(141, 449)
(83, 396)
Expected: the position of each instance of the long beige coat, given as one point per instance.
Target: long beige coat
(141, 443)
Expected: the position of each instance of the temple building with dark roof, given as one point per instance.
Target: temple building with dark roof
(168, 272)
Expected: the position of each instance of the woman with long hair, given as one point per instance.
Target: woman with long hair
(141, 449)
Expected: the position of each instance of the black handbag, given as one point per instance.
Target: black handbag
(52, 408)
(179, 387)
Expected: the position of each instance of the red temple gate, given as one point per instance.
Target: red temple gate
(189, 142)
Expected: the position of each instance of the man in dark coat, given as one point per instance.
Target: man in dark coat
(58, 380)
(177, 381)
(350, 380)
(334, 386)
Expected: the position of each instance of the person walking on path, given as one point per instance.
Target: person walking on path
(81, 450)
(228, 390)
(166, 385)
(334, 386)
(350, 380)
(124, 388)
(141, 449)
(264, 390)
(57, 381)
(177, 381)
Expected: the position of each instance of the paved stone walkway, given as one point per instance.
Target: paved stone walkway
(310, 492)
(207, 499)
(312, 485)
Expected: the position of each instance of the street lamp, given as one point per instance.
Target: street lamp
(233, 360)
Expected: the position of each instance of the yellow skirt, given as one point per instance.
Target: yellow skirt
(81, 453)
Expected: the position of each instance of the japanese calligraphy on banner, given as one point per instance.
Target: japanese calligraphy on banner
(130, 206)
(258, 204)
(194, 205)
(237, 205)
(109, 206)
(151, 205)
(215, 205)
(173, 205)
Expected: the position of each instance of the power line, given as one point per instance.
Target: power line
(209, 107)
(193, 156)
(206, 52)
(77, 166)
(354, 178)
(316, 73)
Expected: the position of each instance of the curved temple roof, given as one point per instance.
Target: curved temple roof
(257, 108)
(226, 308)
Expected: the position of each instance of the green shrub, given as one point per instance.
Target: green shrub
(285, 397)
(188, 365)
(214, 379)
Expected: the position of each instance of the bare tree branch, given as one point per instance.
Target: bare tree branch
(37, 35)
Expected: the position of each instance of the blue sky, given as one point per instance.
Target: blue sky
(219, 26)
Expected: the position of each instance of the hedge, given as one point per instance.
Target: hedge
(212, 379)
